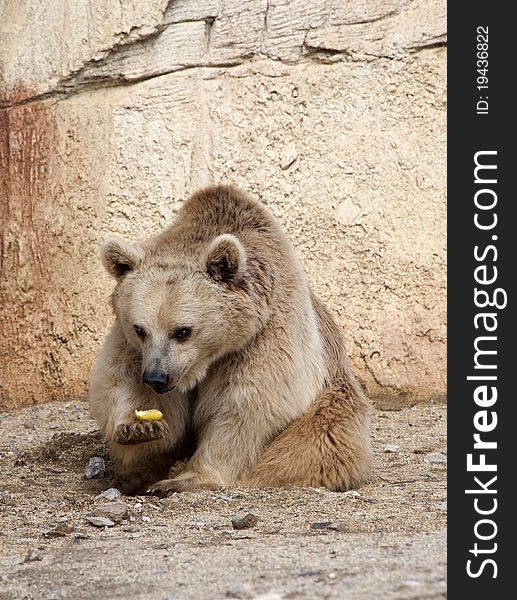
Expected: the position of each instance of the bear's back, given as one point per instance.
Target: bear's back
(225, 209)
(218, 210)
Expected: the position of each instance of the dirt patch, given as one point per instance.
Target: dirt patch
(386, 541)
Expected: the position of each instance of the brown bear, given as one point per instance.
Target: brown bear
(215, 325)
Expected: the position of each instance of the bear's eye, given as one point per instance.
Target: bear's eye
(140, 332)
(182, 334)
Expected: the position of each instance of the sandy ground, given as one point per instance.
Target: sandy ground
(387, 542)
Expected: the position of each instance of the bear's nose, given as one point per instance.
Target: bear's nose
(158, 380)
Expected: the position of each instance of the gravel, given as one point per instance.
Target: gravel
(386, 540)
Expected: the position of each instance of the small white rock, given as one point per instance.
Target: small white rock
(288, 157)
(226, 498)
(100, 521)
(391, 448)
(437, 458)
(33, 555)
(242, 591)
(109, 494)
(352, 494)
(348, 213)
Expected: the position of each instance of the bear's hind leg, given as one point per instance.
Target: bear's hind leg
(326, 447)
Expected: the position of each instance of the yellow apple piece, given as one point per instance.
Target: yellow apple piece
(149, 415)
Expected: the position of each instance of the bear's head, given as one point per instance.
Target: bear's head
(182, 311)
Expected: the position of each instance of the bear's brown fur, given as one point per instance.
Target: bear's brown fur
(248, 367)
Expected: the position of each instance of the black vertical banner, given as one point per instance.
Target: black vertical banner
(482, 363)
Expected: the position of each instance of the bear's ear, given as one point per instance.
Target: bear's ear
(119, 257)
(226, 258)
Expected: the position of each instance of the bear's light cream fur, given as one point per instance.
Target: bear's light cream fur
(263, 394)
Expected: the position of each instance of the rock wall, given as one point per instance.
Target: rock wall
(331, 112)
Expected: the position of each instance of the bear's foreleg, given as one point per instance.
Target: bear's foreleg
(139, 448)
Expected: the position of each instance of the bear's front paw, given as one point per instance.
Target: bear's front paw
(165, 487)
(140, 432)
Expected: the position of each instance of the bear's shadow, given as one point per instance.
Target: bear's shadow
(70, 453)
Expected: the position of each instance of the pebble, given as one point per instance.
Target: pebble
(65, 528)
(110, 494)
(443, 506)
(288, 157)
(352, 494)
(115, 511)
(437, 458)
(391, 448)
(59, 531)
(242, 591)
(244, 521)
(33, 555)
(95, 468)
(358, 496)
(338, 527)
(100, 521)
(332, 526)
(407, 162)
(320, 525)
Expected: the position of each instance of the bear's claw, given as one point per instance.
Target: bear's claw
(165, 487)
(140, 432)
